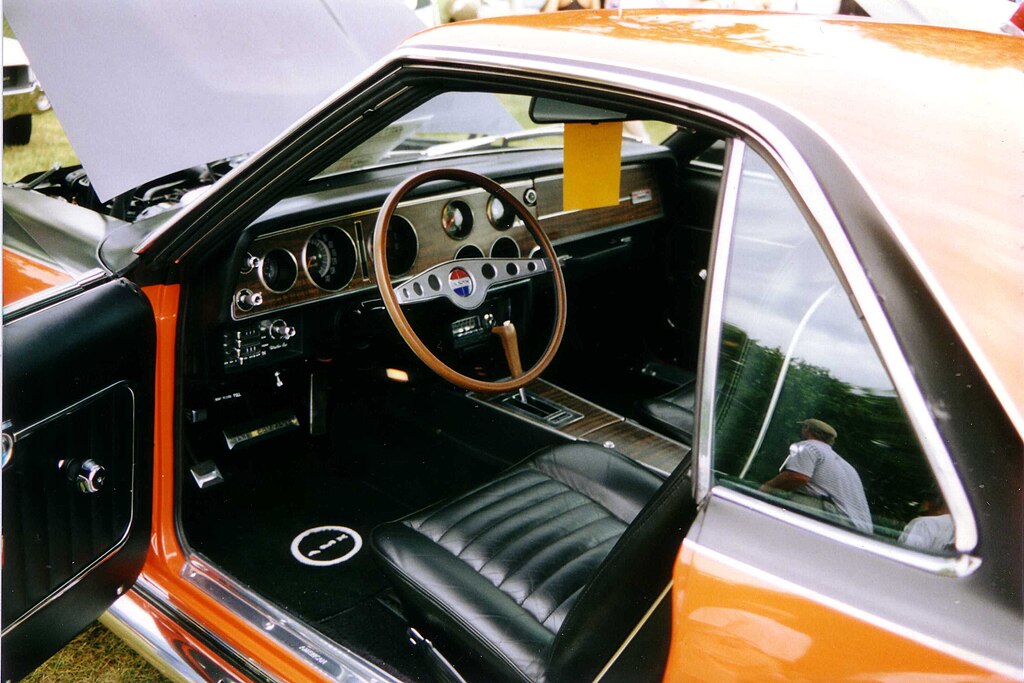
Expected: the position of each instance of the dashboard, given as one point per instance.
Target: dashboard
(316, 249)
(332, 257)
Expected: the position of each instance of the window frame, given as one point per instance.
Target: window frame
(835, 245)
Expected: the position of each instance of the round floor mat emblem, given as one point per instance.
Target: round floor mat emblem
(324, 546)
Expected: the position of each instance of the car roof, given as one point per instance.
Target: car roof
(930, 118)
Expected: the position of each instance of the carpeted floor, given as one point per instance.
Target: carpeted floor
(275, 500)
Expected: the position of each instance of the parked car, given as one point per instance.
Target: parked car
(22, 95)
(451, 380)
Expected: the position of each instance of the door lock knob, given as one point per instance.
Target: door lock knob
(87, 475)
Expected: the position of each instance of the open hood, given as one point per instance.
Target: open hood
(147, 89)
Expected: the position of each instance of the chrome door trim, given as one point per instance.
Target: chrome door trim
(330, 659)
(958, 566)
(162, 640)
(707, 371)
(53, 295)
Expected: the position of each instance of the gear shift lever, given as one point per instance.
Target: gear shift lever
(510, 344)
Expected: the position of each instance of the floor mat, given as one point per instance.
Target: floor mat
(303, 547)
(296, 529)
(378, 633)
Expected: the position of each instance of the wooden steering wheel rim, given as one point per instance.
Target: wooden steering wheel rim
(394, 309)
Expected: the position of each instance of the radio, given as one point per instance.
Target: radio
(259, 342)
(474, 329)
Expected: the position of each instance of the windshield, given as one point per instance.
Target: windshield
(459, 123)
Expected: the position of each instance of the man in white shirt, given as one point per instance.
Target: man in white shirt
(819, 478)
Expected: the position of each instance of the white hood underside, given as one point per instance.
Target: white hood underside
(146, 89)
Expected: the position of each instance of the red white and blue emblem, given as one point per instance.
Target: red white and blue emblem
(460, 281)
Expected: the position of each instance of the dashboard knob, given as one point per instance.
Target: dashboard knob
(279, 329)
(247, 300)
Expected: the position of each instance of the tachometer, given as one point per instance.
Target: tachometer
(329, 258)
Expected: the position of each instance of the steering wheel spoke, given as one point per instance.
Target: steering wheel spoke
(465, 282)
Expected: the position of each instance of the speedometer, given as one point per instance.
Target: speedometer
(330, 258)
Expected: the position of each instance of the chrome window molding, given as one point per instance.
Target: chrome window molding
(118, 544)
(322, 655)
(48, 297)
(1010, 671)
(849, 269)
(707, 373)
(958, 566)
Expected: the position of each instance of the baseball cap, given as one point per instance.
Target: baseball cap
(819, 426)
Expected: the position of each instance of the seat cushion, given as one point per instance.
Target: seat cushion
(672, 413)
(494, 572)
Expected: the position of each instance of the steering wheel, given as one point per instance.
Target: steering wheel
(465, 283)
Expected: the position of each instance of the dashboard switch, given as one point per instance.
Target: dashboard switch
(246, 300)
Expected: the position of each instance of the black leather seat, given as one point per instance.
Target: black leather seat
(543, 573)
(671, 413)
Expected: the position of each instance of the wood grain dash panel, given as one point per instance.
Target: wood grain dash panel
(640, 444)
(559, 224)
(594, 416)
(434, 245)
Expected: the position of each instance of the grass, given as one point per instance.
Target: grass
(96, 656)
(49, 145)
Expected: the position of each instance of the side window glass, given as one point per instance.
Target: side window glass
(806, 415)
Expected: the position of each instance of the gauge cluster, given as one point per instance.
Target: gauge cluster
(333, 257)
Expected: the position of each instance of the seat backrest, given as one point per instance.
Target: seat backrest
(626, 584)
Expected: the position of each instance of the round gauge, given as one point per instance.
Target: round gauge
(330, 258)
(457, 219)
(499, 213)
(504, 247)
(469, 251)
(278, 270)
(403, 246)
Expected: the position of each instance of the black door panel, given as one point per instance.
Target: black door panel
(77, 402)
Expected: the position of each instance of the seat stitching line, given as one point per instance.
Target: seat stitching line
(525, 561)
(574, 532)
(509, 516)
(486, 487)
(564, 567)
(446, 508)
(503, 499)
(574, 594)
(537, 525)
